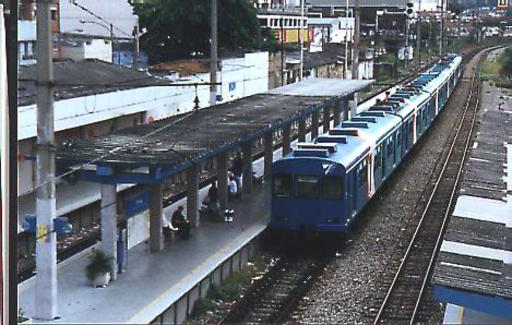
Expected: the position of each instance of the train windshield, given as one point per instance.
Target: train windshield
(282, 186)
(307, 187)
(332, 187)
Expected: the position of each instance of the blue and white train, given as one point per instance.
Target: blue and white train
(322, 186)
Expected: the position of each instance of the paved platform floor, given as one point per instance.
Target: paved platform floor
(153, 281)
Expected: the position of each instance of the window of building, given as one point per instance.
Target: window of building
(54, 14)
(307, 187)
(333, 187)
(282, 185)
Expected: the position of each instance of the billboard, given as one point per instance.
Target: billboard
(502, 4)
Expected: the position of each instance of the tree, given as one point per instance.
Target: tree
(178, 29)
(455, 7)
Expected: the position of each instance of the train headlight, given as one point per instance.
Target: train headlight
(332, 220)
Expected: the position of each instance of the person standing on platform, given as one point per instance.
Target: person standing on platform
(232, 187)
(238, 168)
(181, 223)
(213, 202)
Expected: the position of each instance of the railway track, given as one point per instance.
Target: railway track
(272, 298)
(402, 302)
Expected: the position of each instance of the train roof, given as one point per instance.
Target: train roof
(353, 139)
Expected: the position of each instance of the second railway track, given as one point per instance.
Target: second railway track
(402, 302)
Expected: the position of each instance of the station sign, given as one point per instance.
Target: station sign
(137, 203)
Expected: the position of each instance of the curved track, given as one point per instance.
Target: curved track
(403, 300)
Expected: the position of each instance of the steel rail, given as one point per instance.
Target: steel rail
(427, 208)
(447, 211)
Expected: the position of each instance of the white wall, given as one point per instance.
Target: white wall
(91, 49)
(249, 75)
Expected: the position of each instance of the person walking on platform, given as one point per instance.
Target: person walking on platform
(238, 168)
(181, 223)
(213, 203)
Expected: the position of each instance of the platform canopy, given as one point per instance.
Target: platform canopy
(168, 146)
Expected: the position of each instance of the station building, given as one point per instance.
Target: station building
(95, 98)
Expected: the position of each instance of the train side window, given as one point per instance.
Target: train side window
(332, 187)
(307, 187)
(389, 146)
(282, 186)
(398, 138)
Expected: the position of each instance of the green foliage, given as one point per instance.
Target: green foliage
(455, 7)
(505, 61)
(99, 262)
(178, 29)
(201, 306)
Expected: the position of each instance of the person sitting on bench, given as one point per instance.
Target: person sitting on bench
(181, 223)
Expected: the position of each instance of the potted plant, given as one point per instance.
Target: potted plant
(22, 318)
(99, 268)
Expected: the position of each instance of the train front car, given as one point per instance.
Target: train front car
(313, 187)
(323, 186)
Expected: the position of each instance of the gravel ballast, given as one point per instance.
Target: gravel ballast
(347, 288)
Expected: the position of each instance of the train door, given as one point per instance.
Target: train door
(350, 193)
(383, 159)
(398, 151)
(411, 132)
(377, 166)
(361, 189)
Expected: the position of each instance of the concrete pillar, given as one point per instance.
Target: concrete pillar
(193, 195)
(222, 179)
(353, 105)
(109, 224)
(315, 123)
(327, 119)
(287, 138)
(247, 174)
(156, 239)
(269, 155)
(302, 129)
(345, 109)
(336, 111)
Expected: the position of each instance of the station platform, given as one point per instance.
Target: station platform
(473, 272)
(154, 281)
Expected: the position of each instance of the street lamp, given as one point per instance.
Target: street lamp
(109, 28)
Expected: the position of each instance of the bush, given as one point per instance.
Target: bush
(99, 262)
(201, 306)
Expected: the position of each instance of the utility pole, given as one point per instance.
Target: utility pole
(346, 41)
(301, 70)
(418, 39)
(441, 31)
(46, 246)
(9, 298)
(406, 52)
(213, 56)
(4, 174)
(355, 51)
(135, 64)
(282, 49)
(111, 30)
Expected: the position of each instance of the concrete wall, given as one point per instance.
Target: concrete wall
(178, 312)
(90, 49)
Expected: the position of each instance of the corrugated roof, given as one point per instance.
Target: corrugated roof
(183, 67)
(175, 141)
(77, 79)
